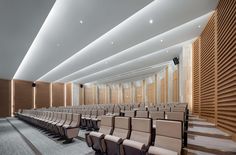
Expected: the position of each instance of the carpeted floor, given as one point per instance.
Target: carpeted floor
(41, 141)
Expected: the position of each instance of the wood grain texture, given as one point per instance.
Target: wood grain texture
(102, 95)
(176, 86)
(114, 95)
(127, 96)
(139, 94)
(42, 95)
(23, 95)
(151, 93)
(196, 77)
(68, 94)
(89, 95)
(207, 72)
(226, 65)
(58, 94)
(5, 98)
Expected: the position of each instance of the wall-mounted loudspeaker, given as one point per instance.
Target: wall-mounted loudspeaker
(33, 84)
(176, 60)
(81, 86)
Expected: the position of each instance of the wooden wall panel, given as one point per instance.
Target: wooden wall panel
(226, 65)
(151, 93)
(58, 94)
(196, 77)
(89, 97)
(127, 96)
(42, 95)
(102, 95)
(176, 86)
(5, 98)
(114, 95)
(162, 91)
(68, 94)
(139, 94)
(23, 95)
(207, 72)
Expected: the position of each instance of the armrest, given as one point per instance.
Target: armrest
(97, 134)
(114, 139)
(160, 151)
(134, 144)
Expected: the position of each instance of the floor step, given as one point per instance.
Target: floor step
(212, 145)
(197, 119)
(201, 124)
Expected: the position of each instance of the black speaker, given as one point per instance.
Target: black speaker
(176, 60)
(81, 86)
(33, 84)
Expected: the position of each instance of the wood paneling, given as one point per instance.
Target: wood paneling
(58, 94)
(196, 77)
(139, 94)
(23, 95)
(207, 72)
(114, 95)
(176, 86)
(127, 96)
(226, 65)
(42, 95)
(5, 98)
(162, 91)
(151, 93)
(89, 96)
(68, 94)
(102, 95)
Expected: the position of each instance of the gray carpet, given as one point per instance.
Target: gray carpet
(47, 145)
(11, 142)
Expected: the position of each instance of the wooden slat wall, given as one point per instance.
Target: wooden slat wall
(162, 91)
(5, 98)
(127, 95)
(217, 63)
(68, 94)
(226, 65)
(58, 94)
(196, 76)
(89, 97)
(207, 72)
(42, 95)
(23, 95)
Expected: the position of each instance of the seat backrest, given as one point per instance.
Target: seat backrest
(157, 115)
(169, 135)
(141, 130)
(55, 116)
(122, 127)
(130, 113)
(75, 120)
(59, 116)
(166, 109)
(177, 116)
(178, 109)
(107, 124)
(68, 119)
(63, 118)
(142, 114)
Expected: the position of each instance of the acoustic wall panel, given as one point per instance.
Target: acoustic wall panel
(127, 96)
(114, 95)
(196, 76)
(102, 95)
(23, 95)
(69, 94)
(151, 93)
(226, 65)
(176, 86)
(139, 94)
(42, 95)
(207, 72)
(5, 98)
(89, 95)
(58, 94)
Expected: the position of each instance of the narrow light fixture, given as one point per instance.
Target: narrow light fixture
(50, 87)
(12, 98)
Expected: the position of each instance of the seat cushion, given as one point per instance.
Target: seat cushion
(96, 134)
(160, 151)
(113, 139)
(133, 144)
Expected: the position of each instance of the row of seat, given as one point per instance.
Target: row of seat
(65, 125)
(126, 135)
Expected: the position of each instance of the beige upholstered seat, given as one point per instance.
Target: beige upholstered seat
(96, 139)
(130, 113)
(142, 114)
(72, 130)
(166, 141)
(121, 131)
(140, 137)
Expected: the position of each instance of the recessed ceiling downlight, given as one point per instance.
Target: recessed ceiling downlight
(150, 21)
(81, 22)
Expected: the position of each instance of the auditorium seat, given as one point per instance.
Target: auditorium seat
(167, 142)
(130, 113)
(61, 123)
(96, 121)
(142, 114)
(96, 139)
(140, 138)
(121, 131)
(67, 123)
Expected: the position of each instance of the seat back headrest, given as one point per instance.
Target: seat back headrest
(142, 114)
(141, 124)
(178, 116)
(167, 128)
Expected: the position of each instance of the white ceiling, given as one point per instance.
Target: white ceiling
(20, 21)
(114, 40)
